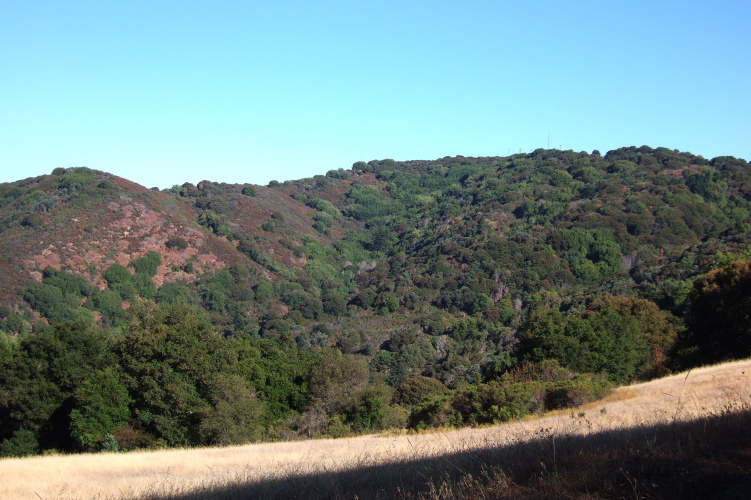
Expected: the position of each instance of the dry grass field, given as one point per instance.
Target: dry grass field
(677, 437)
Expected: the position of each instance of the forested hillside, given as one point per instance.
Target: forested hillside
(393, 294)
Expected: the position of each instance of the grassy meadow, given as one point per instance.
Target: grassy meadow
(684, 436)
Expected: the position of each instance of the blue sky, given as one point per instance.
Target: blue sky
(164, 92)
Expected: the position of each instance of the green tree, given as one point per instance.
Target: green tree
(337, 379)
(101, 404)
(601, 342)
(416, 358)
(278, 373)
(144, 286)
(416, 389)
(117, 275)
(718, 321)
(659, 334)
(235, 414)
(109, 304)
(38, 384)
(50, 302)
(148, 264)
(334, 304)
(170, 293)
(169, 360)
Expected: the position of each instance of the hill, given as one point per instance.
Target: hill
(458, 291)
(83, 221)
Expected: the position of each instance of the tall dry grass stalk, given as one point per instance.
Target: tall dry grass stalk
(509, 459)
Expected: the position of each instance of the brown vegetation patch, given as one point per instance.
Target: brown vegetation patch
(681, 172)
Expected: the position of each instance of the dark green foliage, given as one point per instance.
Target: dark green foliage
(410, 358)
(174, 362)
(109, 304)
(277, 371)
(144, 285)
(215, 223)
(263, 290)
(48, 300)
(39, 382)
(101, 404)
(148, 264)
(185, 190)
(33, 220)
(176, 242)
(369, 410)
(658, 332)
(719, 327)
(235, 415)
(416, 389)
(127, 291)
(120, 280)
(117, 275)
(509, 398)
(249, 248)
(603, 342)
(170, 293)
(311, 308)
(59, 296)
(324, 207)
(69, 284)
(334, 304)
(75, 180)
(339, 386)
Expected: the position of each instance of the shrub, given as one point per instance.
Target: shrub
(144, 286)
(334, 304)
(249, 248)
(577, 391)
(32, 220)
(109, 304)
(435, 411)
(116, 275)
(177, 242)
(50, 302)
(148, 264)
(75, 179)
(170, 293)
(416, 389)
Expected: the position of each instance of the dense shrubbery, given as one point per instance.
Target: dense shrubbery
(525, 390)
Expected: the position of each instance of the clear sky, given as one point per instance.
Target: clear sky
(164, 92)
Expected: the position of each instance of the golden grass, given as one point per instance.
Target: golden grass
(433, 464)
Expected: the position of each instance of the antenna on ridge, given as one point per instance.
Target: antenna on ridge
(548, 140)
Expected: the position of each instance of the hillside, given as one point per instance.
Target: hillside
(374, 466)
(83, 221)
(452, 292)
